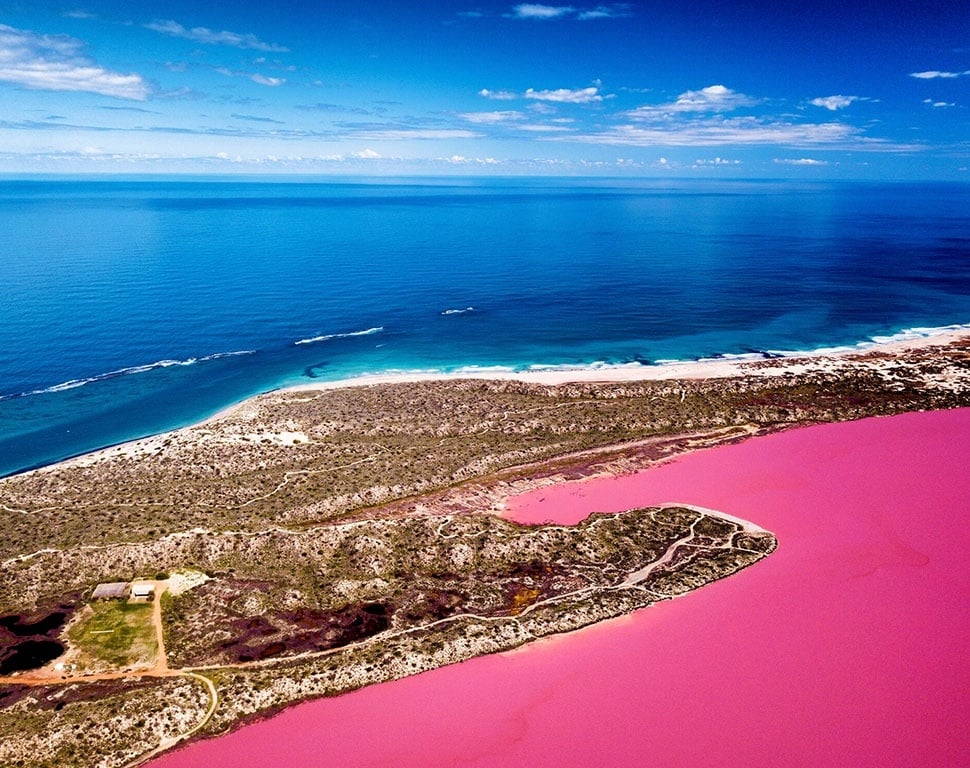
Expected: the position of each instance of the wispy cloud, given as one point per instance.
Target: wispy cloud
(257, 119)
(498, 95)
(715, 162)
(462, 160)
(713, 98)
(337, 109)
(394, 134)
(491, 118)
(129, 109)
(615, 11)
(834, 103)
(543, 128)
(547, 12)
(272, 82)
(939, 104)
(713, 132)
(57, 63)
(933, 74)
(537, 11)
(256, 77)
(799, 161)
(566, 95)
(79, 14)
(212, 37)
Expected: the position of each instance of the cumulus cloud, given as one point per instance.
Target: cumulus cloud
(833, 103)
(57, 63)
(799, 161)
(366, 154)
(566, 95)
(713, 98)
(212, 37)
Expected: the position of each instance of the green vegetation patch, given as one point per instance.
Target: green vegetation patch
(119, 633)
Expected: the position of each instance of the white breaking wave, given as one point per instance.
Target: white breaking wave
(598, 365)
(457, 311)
(907, 334)
(75, 383)
(485, 369)
(328, 336)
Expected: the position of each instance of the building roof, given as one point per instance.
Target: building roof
(110, 589)
(142, 588)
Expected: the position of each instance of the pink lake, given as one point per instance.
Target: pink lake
(846, 647)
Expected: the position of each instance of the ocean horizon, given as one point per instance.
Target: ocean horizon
(131, 307)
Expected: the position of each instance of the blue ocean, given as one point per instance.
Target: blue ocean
(129, 307)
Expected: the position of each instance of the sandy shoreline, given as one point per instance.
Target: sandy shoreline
(712, 368)
(824, 360)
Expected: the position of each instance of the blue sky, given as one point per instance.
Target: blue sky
(714, 89)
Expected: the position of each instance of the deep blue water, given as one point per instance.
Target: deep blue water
(131, 307)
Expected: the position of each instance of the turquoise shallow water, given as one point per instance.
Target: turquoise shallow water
(131, 307)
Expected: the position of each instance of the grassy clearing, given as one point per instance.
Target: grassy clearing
(118, 633)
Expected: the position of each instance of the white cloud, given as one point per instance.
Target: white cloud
(392, 134)
(462, 160)
(833, 103)
(714, 132)
(212, 37)
(546, 12)
(491, 118)
(717, 161)
(256, 77)
(543, 128)
(366, 154)
(615, 11)
(56, 63)
(799, 161)
(939, 104)
(273, 82)
(566, 95)
(537, 11)
(933, 74)
(713, 98)
(498, 95)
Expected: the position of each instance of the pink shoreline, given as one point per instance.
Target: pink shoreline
(847, 646)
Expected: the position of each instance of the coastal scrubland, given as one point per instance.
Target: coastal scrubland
(302, 458)
(329, 539)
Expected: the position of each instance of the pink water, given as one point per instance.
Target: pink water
(846, 647)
